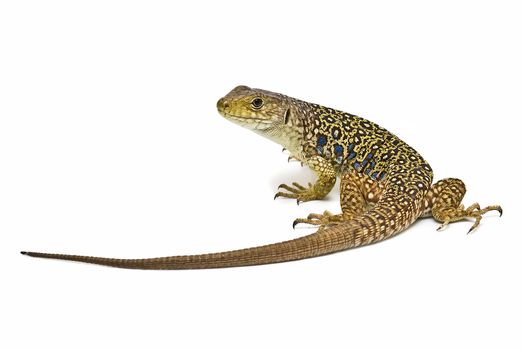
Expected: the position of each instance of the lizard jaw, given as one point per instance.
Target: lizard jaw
(247, 122)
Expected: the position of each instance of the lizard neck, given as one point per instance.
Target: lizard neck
(291, 134)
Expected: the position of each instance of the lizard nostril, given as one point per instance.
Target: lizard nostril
(222, 104)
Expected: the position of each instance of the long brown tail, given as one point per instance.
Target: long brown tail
(360, 231)
(321, 243)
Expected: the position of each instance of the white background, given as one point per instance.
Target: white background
(111, 145)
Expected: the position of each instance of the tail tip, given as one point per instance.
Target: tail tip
(24, 253)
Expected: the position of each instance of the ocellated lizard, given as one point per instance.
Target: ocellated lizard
(385, 184)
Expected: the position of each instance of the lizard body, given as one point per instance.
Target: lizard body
(385, 184)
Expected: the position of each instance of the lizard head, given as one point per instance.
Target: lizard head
(255, 109)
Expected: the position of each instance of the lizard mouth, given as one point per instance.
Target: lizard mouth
(245, 119)
(252, 123)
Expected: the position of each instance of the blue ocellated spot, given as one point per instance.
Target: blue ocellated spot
(367, 171)
(322, 140)
(370, 155)
(374, 175)
(357, 166)
(338, 149)
(351, 155)
(351, 147)
(372, 164)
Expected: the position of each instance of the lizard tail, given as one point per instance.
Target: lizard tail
(321, 243)
(366, 229)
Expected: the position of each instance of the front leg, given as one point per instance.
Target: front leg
(318, 190)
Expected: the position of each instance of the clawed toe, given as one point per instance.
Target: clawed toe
(473, 212)
(298, 192)
(322, 220)
(296, 189)
(325, 214)
(314, 219)
(443, 226)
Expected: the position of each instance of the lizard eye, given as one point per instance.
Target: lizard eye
(257, 103)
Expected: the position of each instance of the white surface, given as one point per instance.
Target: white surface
(110, 145)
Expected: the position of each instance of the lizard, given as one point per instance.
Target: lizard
(385, 185)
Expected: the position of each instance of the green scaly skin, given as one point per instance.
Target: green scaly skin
(385, 184)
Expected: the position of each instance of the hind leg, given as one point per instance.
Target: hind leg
(443, 202)
(357, 194)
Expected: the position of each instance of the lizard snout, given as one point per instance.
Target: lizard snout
(222, 104)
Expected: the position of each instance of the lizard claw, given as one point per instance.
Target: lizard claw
(323, 220)
(297, 191)
(473, 212)
(442, 226)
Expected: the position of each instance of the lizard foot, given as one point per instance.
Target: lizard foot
(474, 212)
(326, 180)
(323, 220)
(298, 192)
